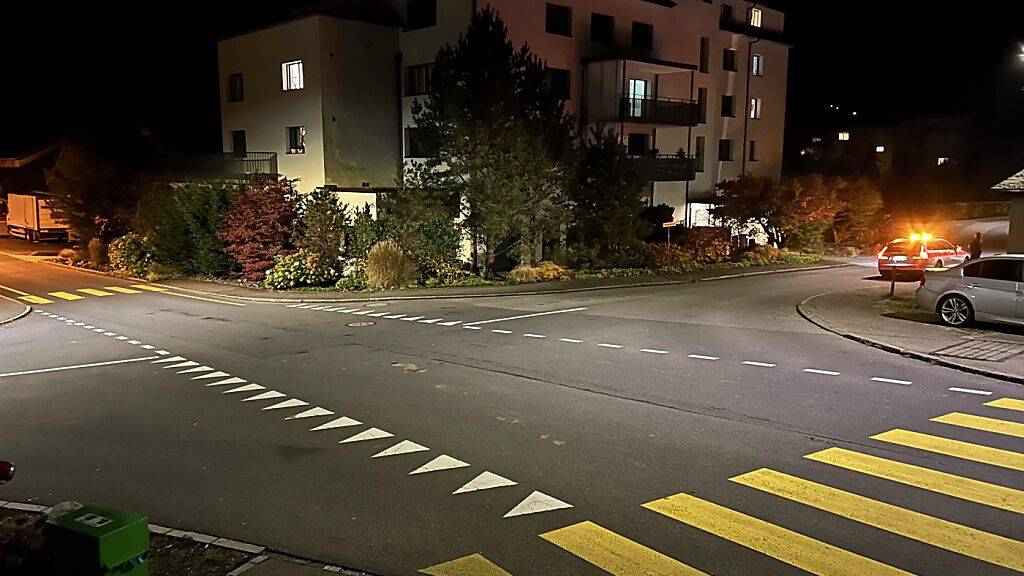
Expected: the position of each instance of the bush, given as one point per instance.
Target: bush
(367, 231)
(323, 220)
(131, 254)
(259, 225)
(433, 243)
(70, 255)
(542, 272)
(765, 255)
(160, 271)
(354, 276)
(303, 268)
(668, 258)
(388, 267)
(706, 244)
(97, 252)
(181, 222)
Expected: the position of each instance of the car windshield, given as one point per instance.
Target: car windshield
(903, 247)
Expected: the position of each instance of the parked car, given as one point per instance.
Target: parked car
(987, 289)
(912, 256)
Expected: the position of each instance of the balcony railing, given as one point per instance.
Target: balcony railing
(227, 166)
(666, 111)
(665, 167)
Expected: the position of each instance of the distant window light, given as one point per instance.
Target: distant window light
(844, 136)
(755, 108)
(291, 75)
(879, 148)
(943, 160)
(815, 139)
(757, 65)
(296, 139)
(755, 17)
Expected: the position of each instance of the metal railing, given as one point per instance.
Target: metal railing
(665, 167)
(670, 111)
(228, 165)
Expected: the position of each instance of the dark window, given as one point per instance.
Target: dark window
(643, 36)
(699, 153)
(727, 12)
(602, 28)
(752, 151)
(420, 14)
(702, 104)
(972, 270)
(558, 83)
(729, 60)
(238, 142)
(417, 143)
(296, 139)
(724, 150)
(705, 53)
(728, 110)
(558, 20)
(417, 79)
(999, 269)
(236, 89)
(636, 145)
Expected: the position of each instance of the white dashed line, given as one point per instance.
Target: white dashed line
(822, 372)
(528, 316)
(162, 352)
(891, 381)
(121, 338)
(412, 318)
(702, 357)
(451, 323)
(606, 345)
(761, 364)
(362, 312)
(88, 326)
(147, 346)
(431, 321)
(570, 340)
(472, 328)
(378, 314)
(348, 311)
(502, 331)
(110, 333)
(394, 316)
(134, 342)
(970, 391)
(528, 335)
(653, 351)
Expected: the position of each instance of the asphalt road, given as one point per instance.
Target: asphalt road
(638, 415)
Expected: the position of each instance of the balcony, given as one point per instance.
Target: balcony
(659, 111)
(227, 166)
(665, 167)
(740, 27)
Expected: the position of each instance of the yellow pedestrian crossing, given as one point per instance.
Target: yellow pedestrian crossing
(122, 290)
(983, 423)
(616, 554)
(1008, 403)
(780, 543)
(935, 531)
(94, 292)
(956, 448)
(924, 478)
(473, 565)
(149, 287)
(35, 299)
(66, 295)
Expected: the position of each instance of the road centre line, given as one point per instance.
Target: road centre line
(606, 345)
(14, 290)
(822, 372)
(702, 357)
(970, 391)
(501, 331)
(76, 366)
(472, 328)
(891, 381)
(525, 316)
(570, 340)
(761, 364)
(528, 335)
(201, 298)
(653, 351)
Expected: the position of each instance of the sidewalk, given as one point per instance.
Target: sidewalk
(867, 315)
(230, 290)
(11, 310)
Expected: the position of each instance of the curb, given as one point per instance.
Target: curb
(930, 358)
(260, 553)
(18, 316)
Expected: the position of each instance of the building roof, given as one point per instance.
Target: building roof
(1014, 183)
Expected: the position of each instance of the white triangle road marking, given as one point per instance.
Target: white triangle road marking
(246, 388)
(217, 374)
(232, 380)
(411, 318)
(185, 364)
(431, 321)
(171, 359)
(403, 447)
(377, 314)
(394, 316)
(442, 462)
(291, 403)
(452, 323)
(348, 311)
(536, 502)
(312, 412)
(147, 346)
(362, 312)
(268, 395)
(196, 369)
(371, 434)
(337, 423)
(485, 481)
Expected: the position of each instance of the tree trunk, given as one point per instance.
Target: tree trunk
(489, 260)
(475, 254)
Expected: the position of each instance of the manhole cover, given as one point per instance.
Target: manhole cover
(362, 324)
(990, 350)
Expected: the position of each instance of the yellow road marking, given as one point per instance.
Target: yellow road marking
(982, 423)
(67, 295)
(965, 450)
(35, 299)
(1008, 403)
(204, 299)
(14, 290)
(149, 287)
(474, 565)
(122, 290)
(616, 554)
(790, 547)
(924, 478)
(94, 292)
(935, 531)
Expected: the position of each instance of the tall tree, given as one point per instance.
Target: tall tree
(792, 213)
(860, 203)
(606, 200)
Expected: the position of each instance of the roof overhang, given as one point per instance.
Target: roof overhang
(1014, 183)
(646, 64)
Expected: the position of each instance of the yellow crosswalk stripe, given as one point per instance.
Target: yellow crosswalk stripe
(616, 554)
(949, 447)
(94, 292)
(924, 478)
(1008, 403)
(982, 423)
(35, 299)
(149, 287)
(790, 547)
(473, 565)
(122, 290)
(67, 295)
(935, 531)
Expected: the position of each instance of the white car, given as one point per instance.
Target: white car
(987, 289)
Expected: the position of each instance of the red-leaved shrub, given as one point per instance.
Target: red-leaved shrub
(259, 225)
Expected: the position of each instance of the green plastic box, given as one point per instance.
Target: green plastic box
(98, 540)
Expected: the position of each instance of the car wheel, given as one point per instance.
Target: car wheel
(885, 274)
(955, 310)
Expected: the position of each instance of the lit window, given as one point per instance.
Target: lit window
(755, 108)
(942, 160)
(879, 148)
(291, 75)
(296, 139)
(844, 136)
(756, 65)
(755, 17)
(815, 139)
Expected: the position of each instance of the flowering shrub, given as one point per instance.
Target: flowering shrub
(300, 269)
(131, 254)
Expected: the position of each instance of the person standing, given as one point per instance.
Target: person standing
(975, 247)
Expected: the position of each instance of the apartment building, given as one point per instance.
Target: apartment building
(695, 89)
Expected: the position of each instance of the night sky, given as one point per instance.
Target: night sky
(157, 66)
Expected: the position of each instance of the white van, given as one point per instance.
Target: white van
(29, 217)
